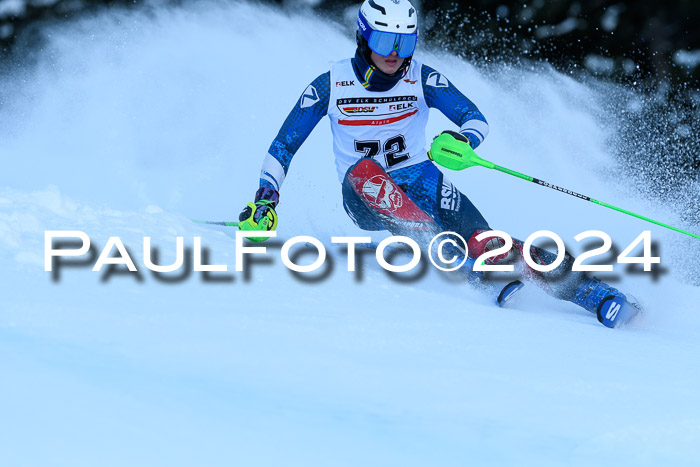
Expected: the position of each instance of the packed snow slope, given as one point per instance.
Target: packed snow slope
(128, 125)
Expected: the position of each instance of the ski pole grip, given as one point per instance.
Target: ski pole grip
(452, 150)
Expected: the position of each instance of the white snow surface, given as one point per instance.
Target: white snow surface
(132, 123)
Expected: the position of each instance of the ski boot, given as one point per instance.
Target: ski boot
(610, 305)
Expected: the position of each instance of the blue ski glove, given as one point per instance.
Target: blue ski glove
(260, 215)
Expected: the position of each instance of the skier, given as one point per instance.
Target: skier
(378, 103)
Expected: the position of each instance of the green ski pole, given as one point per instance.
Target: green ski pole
(221, 223)
(491, 165)
(588, 198)
(453, 152)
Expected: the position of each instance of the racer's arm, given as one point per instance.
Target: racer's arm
(441, 94)
(308, 111)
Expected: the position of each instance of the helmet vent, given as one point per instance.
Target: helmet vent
(410, 12)
(380, 8)
(379, 23)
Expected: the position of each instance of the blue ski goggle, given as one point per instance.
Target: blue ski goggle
(384, 43)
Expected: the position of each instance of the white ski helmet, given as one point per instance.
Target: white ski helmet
(384, 26)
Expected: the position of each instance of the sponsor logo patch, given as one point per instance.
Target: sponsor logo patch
(377, 100)
(380, 192)
(384, 110)
(449, 197)
(436, 80)
(309, 97)
(358, 109)
(408, 105)
(345, 83)
(362, 24)
(612, 311)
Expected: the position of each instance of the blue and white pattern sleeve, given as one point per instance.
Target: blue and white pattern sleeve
(441, 94)
(308, 111)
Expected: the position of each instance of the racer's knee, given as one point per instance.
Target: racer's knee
(489, 243)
